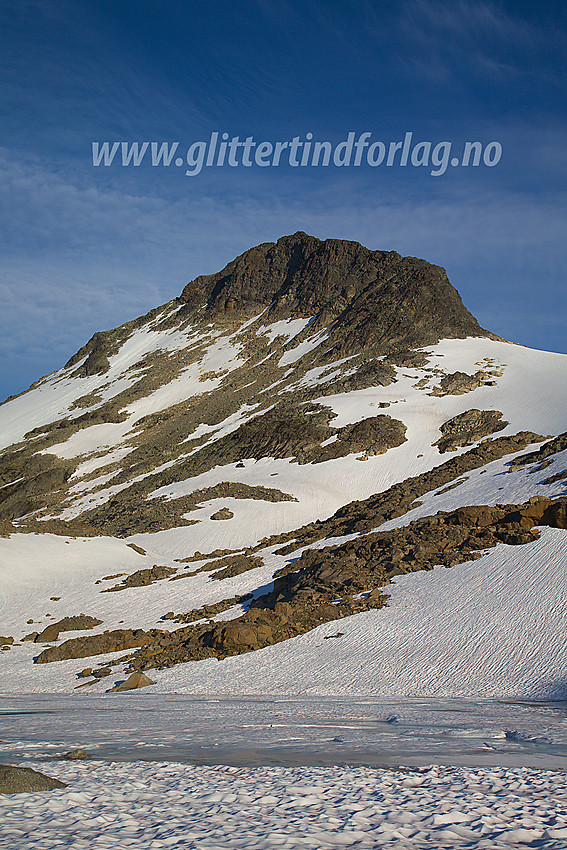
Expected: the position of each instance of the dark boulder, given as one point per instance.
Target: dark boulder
(24, 780)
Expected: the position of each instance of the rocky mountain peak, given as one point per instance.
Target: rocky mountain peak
(382, 298)
(263, 457)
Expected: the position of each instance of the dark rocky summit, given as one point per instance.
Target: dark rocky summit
(368, 298)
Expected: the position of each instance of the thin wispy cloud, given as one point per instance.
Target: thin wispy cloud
(451, 39)
(466, 20)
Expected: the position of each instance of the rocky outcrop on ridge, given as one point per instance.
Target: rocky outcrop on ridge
(131, 511)
(544, 453)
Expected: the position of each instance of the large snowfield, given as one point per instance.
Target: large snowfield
(491, 630)
(493, 627)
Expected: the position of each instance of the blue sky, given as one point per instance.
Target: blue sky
(85, 248)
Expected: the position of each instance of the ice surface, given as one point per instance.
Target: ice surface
(253, 798)
(288, 731)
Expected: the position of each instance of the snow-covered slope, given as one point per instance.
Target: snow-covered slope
(219, 429)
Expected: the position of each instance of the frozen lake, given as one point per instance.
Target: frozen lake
(255, 731)
(172, 771)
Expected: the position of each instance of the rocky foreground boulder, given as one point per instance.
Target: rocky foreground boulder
(24, 780)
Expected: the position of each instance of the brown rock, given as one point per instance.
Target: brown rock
(468, 427)
(223, 513)
(68, 624)
(234, 636)
(142, 578)
(76, 754)
(234, 566)
(556, 515)
(458, 383)
(23, 780)
(133, 682)
(83, 647)
(50, 633)
(102, 672)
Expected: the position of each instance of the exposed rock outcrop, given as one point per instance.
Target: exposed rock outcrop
(233, 566)
(458, 383)
(223, 513)
(67, 624)
(111, 641)
(142, 578)
(132, 683)
(367, 298)
(370, 308)
(468, 427)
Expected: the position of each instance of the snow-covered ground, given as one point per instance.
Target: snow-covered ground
(114, 806)
(319, 774)
(191, 773)
(494, 627)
